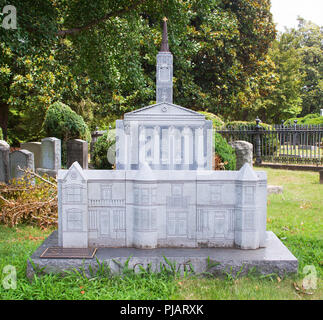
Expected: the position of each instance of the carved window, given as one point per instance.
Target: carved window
(164, 73)
(104, 223)
(118, 220)
(215, 193)
(73, 193)
(74, 220)
(145, 196)
(106, 192)
(153, 195)
(177, 190)
(177, 224)
(136, 196)
(249, 195)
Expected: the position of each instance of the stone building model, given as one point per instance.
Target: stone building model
(163, 192)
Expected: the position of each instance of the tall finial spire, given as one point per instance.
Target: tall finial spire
(164, 45)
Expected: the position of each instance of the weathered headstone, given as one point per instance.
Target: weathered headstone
(77, 150)
(244, 154)
(22, 158)
(35, 148)
(4, 161)
(321, 112)
(51, 153)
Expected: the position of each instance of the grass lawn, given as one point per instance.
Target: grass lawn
(296, 217)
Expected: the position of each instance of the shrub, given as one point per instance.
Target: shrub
(100, 149)
(34, 204)
(1, 134)
(225, 152)
(65, 124)
(309, 119)
(216, 120)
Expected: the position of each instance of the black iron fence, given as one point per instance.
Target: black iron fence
(301, 144)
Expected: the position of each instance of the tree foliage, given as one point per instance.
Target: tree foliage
(104, 52)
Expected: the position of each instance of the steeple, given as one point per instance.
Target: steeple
(164, 45)
(164, 74)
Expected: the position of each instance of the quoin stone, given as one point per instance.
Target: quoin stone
(51, 153)
(244, 153)
(22, 158)
(4, 161)
(35, 148)
(77, 150)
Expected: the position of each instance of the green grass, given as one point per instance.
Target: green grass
(296, 217)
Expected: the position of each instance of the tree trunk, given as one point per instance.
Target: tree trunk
(4, 111)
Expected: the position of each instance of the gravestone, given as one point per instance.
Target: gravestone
(35, 148)
(22, 158)
(244, 153)
(321, 112)
(4, 161)
(51, 153)
(77, 150)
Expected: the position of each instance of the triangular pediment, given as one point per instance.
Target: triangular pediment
(164, 109)
(74, 173)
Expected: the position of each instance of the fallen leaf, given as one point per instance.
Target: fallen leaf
(278, 279)
(296, 287)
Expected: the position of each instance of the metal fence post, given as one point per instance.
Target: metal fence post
(258, 142)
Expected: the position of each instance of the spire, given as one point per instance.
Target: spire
(164, 45)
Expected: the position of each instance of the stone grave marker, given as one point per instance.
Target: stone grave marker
(4, 161)
(77, 150)
(51, 153)
(244, 153)
(22, 158)
(35, 148)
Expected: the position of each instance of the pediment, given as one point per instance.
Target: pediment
(164, 109)
(74, 174)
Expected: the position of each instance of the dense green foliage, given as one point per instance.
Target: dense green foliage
(102, 55)
(225, 151)
(63, 123)
(99, 58)
(1, 134)
(216, 120)
(310, 119)
(100, 158)
(285, 100)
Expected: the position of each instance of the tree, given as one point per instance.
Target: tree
(285, 101)
(310, 46)
(220, 49)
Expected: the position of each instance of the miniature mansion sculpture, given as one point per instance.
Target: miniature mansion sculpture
(163, 192)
